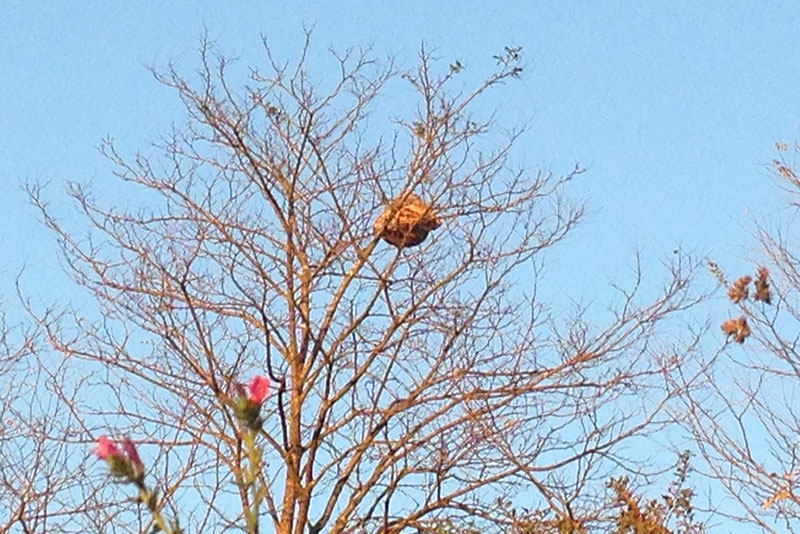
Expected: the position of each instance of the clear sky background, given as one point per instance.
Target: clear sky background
(673, 106)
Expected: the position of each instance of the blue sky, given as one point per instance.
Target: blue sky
(674, 107)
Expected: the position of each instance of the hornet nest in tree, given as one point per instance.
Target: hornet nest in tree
(406, 221)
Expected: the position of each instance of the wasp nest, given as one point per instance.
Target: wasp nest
(411, 220)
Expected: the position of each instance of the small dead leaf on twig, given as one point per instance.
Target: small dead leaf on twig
(763, 293)
(738, 328)
(717, 272)
(738, 291)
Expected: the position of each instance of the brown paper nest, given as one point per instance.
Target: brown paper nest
(411, 221)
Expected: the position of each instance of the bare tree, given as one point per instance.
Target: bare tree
(38, 463)
(418, 379)
(745, 418)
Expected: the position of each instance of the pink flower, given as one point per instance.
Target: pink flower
(131, 452)
(124, 464)
(258, 389)
(106, 448)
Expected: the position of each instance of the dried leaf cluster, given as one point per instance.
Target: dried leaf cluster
(739, 292)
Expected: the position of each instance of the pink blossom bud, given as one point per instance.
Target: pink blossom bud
(258, 389)
(131, 452)
(106, 448)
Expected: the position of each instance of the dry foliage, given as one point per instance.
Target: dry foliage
(745, 419)
(738, 328)
(762, 286)
(673, 512)
(738, 291)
